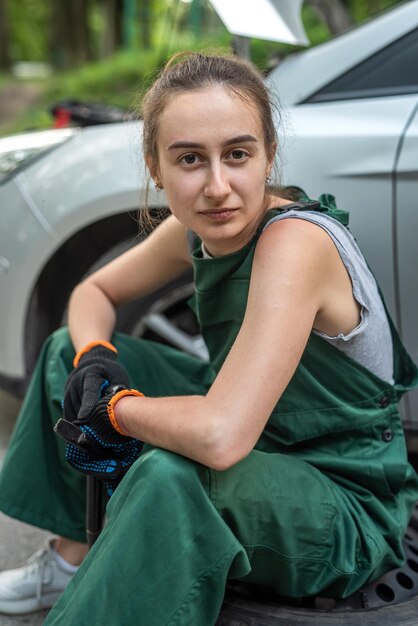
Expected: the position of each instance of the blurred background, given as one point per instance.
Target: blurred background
(108, 50)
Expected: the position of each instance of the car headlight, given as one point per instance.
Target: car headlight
(17, 151)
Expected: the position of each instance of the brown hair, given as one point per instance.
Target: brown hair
(189, 71)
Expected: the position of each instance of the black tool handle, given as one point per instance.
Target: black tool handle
(94, 519)
(94, 492)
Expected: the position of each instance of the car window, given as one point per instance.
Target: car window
(391, 71)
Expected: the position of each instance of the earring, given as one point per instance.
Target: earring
(157, 187)
(268, 179)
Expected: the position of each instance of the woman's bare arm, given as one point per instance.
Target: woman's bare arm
(141, 270)
(296, 269)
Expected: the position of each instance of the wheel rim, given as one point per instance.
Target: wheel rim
(170, 321)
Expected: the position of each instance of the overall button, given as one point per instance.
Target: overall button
(384, 402)
(387, 435)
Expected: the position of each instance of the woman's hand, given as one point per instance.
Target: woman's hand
(95, 444)
(96, 370)
(112, 465)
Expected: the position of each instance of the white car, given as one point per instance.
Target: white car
(69, 197)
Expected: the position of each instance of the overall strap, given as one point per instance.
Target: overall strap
(325, 204)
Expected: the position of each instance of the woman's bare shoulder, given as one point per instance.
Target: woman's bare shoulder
(295, 243)
(302, 253)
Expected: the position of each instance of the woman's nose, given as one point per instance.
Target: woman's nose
(217, 184)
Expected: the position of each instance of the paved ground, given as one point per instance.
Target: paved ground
(17, 541)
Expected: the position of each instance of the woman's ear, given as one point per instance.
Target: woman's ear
(153, 170)
(270, 159)
(271, 156)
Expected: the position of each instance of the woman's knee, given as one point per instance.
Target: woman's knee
(58, 347)
(161, 471)
(56, 363)
(60, 339)
(164, 484)
(162, 465)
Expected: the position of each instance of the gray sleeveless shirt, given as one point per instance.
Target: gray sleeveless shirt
(370, 343)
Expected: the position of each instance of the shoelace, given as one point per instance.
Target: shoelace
(37, 564)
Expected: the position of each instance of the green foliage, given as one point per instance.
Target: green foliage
(122, 79)
(4, 78)
(28, 21)
(114, 81)
(119, 81)
(263, 52)
(32, 119)
(362, 10)
(318, 32)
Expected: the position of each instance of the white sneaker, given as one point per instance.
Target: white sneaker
(34, 586)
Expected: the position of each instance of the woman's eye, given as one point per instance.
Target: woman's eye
(189, 159)
(238, 155)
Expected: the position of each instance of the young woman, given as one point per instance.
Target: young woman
(283, 461)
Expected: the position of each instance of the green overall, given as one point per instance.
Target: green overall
(319, 506)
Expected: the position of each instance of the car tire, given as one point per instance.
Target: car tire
(238, 612)
(162, 316)
(390, 601)
(156, 316)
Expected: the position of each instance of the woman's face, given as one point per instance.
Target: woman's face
(213, 165)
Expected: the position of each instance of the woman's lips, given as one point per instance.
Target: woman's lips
(219, 214)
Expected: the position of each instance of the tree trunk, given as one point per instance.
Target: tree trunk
(145, 18)
(60, 42)
(70, 35)
(5, 59)
(112, 36)
(80, 31)
(334, 13)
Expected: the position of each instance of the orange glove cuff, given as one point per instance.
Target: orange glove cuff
(111, 406)
(91, 345)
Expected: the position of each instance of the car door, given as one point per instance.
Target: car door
(406, 244)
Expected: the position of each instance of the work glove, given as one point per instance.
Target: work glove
(96, 368)
(96, 444)
(111, 468)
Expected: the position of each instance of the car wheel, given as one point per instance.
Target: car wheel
(165, 317)
(390, 601)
